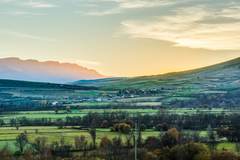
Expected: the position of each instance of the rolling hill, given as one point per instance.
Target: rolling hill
(49, 71)
(4, 83)
(214, 86)
(26, 95)
(219, 75)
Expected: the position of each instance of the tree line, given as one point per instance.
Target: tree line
(171, 145)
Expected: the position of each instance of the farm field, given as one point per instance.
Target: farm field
(54, 134)
(6, 116)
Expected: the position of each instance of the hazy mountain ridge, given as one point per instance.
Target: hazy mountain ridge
(48, 71)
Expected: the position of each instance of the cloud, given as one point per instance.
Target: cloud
(6, 1)
(188, 27)
(119, 6)
(27, 36)
(131, 4)
(38, 4)
(104, 13)
(20, 13)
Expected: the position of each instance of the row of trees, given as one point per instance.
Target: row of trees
(168, 146)
(227, 125)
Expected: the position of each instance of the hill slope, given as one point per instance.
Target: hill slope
(213, 86)
(49, 71)
(227, 73)
(25, 95)
(14, 84)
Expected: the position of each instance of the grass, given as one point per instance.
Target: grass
(53, 134)
(81, 112)
(227, 146)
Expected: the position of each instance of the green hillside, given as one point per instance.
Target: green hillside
(219, 74)
(27, 84)
(214, 86)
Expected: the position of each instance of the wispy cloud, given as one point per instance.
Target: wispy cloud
(30, 3)
(129, 4)
(6, 1)
(20, 13)
(119, 6)
(104, 12)
(27, 36)
(188, 28)
(39, 4)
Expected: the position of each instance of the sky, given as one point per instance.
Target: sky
(122, 37)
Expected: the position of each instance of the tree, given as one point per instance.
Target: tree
(80, 142)
(238, 147)
(21, 141)
(129, 138)
(5, 154)
(150, 156)
(211, 137)
(28, 155)
(93, 135)
(105, 124)
(106, 147)
(122, 127)
(56, 110)
(13, 122)
(68, 109)
(40, 144)
(117, 147)
(2, 122)
(152, 143)
(190, 151)
(224, 155)
(171, 138)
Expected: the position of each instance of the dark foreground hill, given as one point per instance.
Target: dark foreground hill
(25, 95)
(5, 83)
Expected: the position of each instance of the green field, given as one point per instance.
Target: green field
(81, 112)
(54, 134)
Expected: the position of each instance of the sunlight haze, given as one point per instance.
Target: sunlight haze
(122, 37)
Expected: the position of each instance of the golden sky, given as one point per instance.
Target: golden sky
(122, 37)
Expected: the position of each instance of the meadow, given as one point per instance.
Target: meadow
(54, 134)
(7, 116)
(68, 133)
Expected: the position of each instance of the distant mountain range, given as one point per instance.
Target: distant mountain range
(49, 71)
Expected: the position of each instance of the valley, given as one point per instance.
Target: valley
(202, 105)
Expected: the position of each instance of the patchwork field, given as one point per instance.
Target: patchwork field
(54, 134)
(81, 112)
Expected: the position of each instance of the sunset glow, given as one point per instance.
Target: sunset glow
(122, 37)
